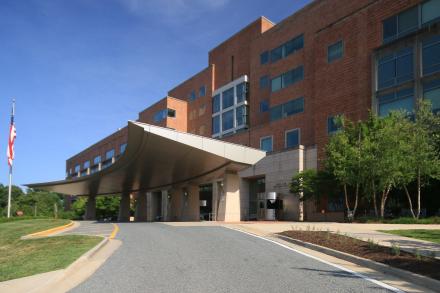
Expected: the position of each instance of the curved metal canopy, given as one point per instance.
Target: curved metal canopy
(157, 157)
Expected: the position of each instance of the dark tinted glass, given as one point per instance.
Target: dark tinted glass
(408, 20)
(215, 124)
(228, 120)
(431, 55)
(264, 57)
(264, 106)
(390, 28)
(216, 103)
(292, 138)
(228, 98)
(276, 113)
(276, 54)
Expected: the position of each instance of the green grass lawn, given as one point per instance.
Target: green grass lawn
(422, 234)
(20, 258)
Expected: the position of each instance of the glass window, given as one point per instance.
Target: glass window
(97, 160)
(202, 91)
(264, 57)
(266, 143)
(332, 124)
(431, 55)
(192, 96)
(293, 107)
(228, 98)
(288, 78)
(395, 68)
(160, 115)
(264, 106)
(77, 168)
(228, 120)
(216, 124)
(216, 103)
(396, 101)
(122, 148)
(299, 73)
(171, 113)
(109, 154)
(276, 112)
(292, 138)
(241, 92)
(430, 10)
(86, 165)
(264, 82)
(276, 83)
(431, 92)
(408, 20)
(276, 54)
(390, 28)
(335, 51)
(293, 45)
(240, 114)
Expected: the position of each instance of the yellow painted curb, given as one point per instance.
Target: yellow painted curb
(50, 231)
(114, 232)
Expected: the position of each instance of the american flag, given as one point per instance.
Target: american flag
(12, 134)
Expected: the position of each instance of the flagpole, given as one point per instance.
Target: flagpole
(10, 170)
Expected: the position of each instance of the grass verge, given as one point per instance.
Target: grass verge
(371, 250)
(21, 258)
(401, 220)
(422, 234)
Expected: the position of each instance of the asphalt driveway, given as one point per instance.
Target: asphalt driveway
(155, 257)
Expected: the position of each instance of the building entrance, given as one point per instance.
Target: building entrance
(157, 206)
(205, 196)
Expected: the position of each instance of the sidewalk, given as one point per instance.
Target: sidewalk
(359, 231)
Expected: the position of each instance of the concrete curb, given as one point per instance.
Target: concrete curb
(405, 275)
(47, 232)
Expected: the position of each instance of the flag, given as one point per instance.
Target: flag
(12, 134)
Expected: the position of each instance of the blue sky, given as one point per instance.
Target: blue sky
(79, 69)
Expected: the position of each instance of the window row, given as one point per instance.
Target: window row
(228, 121)
(287, 109)
(163, 114)
(97, 160)
(288, 78)
(410, 20)
(398, 67)
(202, 92)
(283, 51)
(291, 140)
(403, 100)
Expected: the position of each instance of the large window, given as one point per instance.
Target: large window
(192, 96)
(228, 98)
(97, 160)
(335, 51)
(77, 168)
(266, 144)
(287, 48)
(431, 92)
(228, 120)
(163, 114)
(332, 124)
(431, 55)
(86, 165)
(216, 103)
(292, 138)
(110, 154)
(410, 20)
(395, 68)
(229, 112)
(287, 109)
(402, 100)
(288, 78)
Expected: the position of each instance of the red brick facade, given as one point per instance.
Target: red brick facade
(340, 87)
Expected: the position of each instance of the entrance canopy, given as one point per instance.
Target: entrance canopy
(158, 157)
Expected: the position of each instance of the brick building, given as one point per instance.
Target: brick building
(278, 88)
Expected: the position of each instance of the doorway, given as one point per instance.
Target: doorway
(205, 199)
(157, 205)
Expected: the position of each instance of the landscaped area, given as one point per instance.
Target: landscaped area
(422, 234)
(20, 258)
(370, 250)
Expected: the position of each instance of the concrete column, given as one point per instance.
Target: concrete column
(90, 208)
(190, 203)
(141, 208)
(231, 186)
(165, 205)
(124, 208)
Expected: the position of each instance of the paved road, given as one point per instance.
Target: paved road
(156, 257)
(91, 228)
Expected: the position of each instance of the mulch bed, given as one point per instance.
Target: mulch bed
(421, 265)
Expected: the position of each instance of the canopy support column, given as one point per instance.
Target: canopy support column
(141, 207)
(91, 208)
(124, 208)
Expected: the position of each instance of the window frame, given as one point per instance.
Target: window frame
(271, 142)
(330, 61)
(285, 138)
